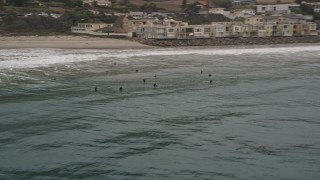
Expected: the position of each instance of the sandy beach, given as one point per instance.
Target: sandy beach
(67, 42)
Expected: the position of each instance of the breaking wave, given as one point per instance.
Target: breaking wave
(31, 58)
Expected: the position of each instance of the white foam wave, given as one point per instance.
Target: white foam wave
(31, 58)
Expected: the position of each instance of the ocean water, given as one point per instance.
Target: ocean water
(259, 119)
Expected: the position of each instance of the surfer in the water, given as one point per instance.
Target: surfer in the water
(120, 89)
(155, 85)
(96, 89)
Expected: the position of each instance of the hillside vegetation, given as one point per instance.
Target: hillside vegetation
(167, 5)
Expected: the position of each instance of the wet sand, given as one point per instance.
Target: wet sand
(67, 42)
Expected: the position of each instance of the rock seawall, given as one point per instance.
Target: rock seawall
(229, 41)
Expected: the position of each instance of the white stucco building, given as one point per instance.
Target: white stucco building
(276, 8)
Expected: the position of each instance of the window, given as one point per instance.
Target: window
(197, 30)
(189, 30)
(206, 30)
(263, 8)
(220, 29)
(170, 30)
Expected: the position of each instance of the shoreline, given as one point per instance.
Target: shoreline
(88, 42)
(68, 42)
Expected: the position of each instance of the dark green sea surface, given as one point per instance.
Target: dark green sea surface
(259, 119)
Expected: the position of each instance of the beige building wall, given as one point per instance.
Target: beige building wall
(297, 29)
(218, 29)
(287, 29)
(268, 30)
(310, 29)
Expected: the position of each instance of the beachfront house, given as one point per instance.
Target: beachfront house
(253, 30)
(151, 32)
(201, 31)
(171, 32)
(237, 29)
(309, 29)
(228, 31)
(261, 31)
(253, 26)
(263, 26)
(159, 32)
(292, 25)
(185, 32)
(270, 29)
(88, 27)
(219, 29)
(165, 29)
(286, 29)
